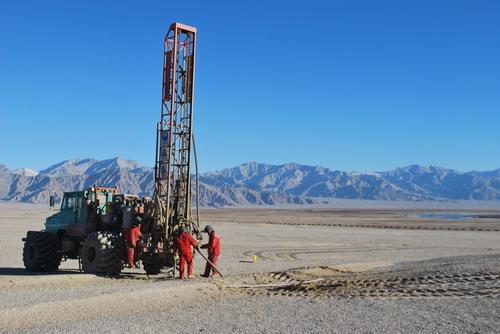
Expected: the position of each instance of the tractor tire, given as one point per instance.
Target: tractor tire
(152, 268)
(103, 253)
(41, 251)
(152, 264)
(170, 260)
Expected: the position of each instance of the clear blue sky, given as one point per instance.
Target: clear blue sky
(351, 85)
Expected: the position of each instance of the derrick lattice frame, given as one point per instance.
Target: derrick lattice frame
(174, 136)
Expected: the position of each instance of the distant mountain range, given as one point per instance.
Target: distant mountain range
(256, 183)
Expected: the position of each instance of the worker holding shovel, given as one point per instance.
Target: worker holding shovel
(213, 248)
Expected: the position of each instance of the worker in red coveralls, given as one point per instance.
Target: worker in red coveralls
(131, 236)
(183, 244)
(213, 248)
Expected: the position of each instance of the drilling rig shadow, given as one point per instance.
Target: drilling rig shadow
(141, 276)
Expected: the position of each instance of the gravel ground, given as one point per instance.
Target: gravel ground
(365, 280)
(299, 315)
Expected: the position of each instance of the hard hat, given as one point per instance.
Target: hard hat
(208, 229)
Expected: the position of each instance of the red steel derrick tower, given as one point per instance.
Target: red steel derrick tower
(172, 200)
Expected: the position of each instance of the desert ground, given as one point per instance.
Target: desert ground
(342, 269)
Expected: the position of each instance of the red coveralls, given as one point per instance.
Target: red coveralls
(183, 244)
(131, 236)
(213, 247)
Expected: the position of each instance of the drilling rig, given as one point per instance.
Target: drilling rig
(172, 208)
(90, 224)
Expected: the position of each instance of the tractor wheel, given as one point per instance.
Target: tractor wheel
(170, 260)
(40, 251)
(152, 268)
(103, 253)
(152, 264)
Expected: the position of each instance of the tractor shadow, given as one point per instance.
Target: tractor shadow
(8, 271)
(139, 276)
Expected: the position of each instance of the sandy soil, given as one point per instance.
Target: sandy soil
(319, 270)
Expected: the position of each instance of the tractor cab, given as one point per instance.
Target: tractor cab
(80, 211)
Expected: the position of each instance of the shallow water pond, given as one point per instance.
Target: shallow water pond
(446, 216)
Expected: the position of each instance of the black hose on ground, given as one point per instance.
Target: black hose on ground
(197, 182)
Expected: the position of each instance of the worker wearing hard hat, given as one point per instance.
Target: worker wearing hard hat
(183, 244)
(213, 247)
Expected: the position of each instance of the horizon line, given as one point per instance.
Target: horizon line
(265, 163)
